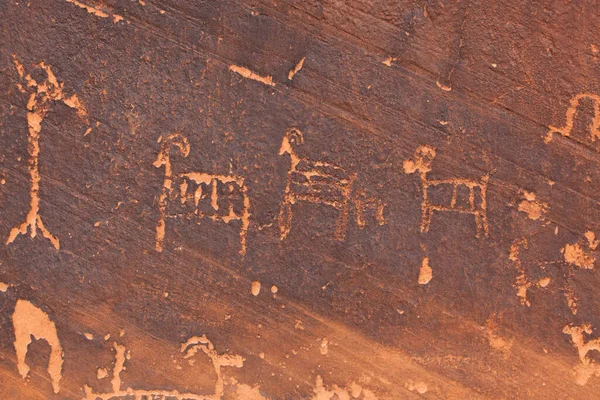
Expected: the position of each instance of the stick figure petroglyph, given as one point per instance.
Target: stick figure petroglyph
(320, 182)
(190, 348)
(42, 94)
(475, 205)
(234, 186)
(570, 116)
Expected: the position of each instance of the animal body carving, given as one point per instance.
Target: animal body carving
(570, 117)
(191, 187)
(320, 182)
(190, 348)
(475, 205)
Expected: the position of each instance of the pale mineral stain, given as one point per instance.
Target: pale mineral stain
(274, 289)
(4, 287)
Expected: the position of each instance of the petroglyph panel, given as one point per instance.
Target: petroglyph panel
(250, 200)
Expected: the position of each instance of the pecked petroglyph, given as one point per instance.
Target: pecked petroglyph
(419, 386)
(29, 321)
(576, 255)
(592, 241)
(477, 192)
(255, 288)
(206, 186)
(296, 69)
(319, 182)
(4, 287)
(364, 203)
(246, 73)
(352, 391)
(388, 61)
(587, 368)
(425, 272)
(534, 209)
(565, 130)
(190, 348)
(96, 11)
(496, 341)
(553, 273)
(522, 283)
(41, 97)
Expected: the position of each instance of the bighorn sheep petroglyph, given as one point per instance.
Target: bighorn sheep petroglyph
(477, 192)
(191, 347)
(320, 182)
(206, 184)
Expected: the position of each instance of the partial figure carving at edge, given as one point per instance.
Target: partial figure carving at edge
(29, 321)
(234, 184)
(190, 348)
(41, 97)
(575, 257)
(587, 368)
(565, 130)
(423, 159)
(353, 391)
(319, 182)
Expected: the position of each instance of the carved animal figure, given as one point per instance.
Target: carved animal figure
(205, 185)
(477, 192)
(553, 273)
(570, 116)
(191, 347)
(315, 182)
